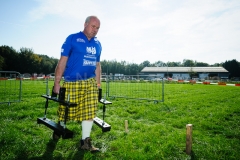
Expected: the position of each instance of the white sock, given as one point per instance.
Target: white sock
(86, 128)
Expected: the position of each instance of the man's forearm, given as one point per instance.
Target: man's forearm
(59, 72)
(58, 75)
(98, 73)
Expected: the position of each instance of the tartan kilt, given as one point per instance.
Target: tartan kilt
(85, 94)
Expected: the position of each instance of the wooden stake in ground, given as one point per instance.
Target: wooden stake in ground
(126, 126)
(189, 139)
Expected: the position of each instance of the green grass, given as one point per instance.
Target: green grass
(156, 131)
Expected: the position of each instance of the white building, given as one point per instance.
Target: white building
(184, 72)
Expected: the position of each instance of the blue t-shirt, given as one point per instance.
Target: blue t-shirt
(83, 54)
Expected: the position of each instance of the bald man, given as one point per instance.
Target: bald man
(79, 64)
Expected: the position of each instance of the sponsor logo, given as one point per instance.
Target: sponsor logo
(91, 50)
(90, 56)
(80, 40)
(89, 63)
(62, 50)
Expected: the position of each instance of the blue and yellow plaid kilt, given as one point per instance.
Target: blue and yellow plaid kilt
(84, 93)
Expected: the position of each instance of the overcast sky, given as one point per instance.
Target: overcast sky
(131, 30)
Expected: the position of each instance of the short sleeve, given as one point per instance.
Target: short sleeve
(66, 47)
(100, 51)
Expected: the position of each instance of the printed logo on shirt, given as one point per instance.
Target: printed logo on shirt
(89, 63)
(80, 40)
(62, 50)
(90, 56)
(91, 50)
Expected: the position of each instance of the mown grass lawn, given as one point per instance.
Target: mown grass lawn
(156, 131)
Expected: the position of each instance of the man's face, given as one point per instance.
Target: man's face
(91, 28)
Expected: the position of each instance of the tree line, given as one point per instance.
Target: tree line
(26, 61)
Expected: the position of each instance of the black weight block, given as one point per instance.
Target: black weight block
(65, 133)
(100, 123)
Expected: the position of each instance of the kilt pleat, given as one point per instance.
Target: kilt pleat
(83, 93)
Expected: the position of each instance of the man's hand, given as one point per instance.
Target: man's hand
(56, 88)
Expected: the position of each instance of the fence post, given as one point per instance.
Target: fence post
(126, 126)
(162, 90)
(189, 139)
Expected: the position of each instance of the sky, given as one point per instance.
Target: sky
(134, 31)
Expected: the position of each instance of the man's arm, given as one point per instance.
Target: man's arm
(98, 72)
(59, 72)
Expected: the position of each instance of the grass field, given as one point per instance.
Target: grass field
(156, 131)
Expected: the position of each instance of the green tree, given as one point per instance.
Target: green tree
(104, 66)
(1, 62)
(233, 67)
(174, 64)
(145, 64)
(201, 64)
(188, 63)
(10, 57)
(47, 64)
(29, 62)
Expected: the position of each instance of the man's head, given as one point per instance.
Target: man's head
(91, 26)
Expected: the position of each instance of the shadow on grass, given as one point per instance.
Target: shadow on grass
(79, 155)
(48, 154)
(82, 154)
(51, 146)
(193, 156)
